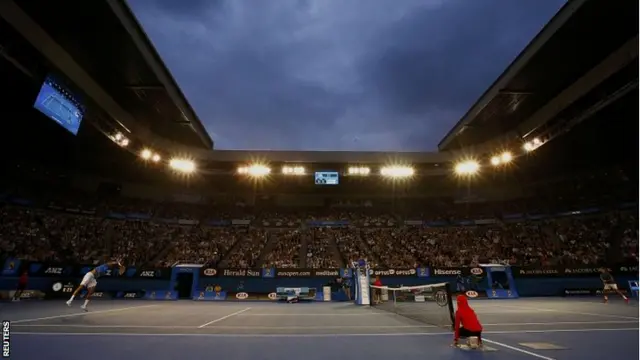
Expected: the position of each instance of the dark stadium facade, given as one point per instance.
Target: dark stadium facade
(137, 95)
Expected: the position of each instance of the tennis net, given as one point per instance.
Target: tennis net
(430, 304)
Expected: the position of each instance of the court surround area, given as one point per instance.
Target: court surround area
(514, 329)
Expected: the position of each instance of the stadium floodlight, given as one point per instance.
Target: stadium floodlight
(359, 170)
(254, 170)
(182, 165)
(147, 154)
(468, 167)
(504, 158)
(397, 171)
(293, 170)
(119, 139)
(532, 145)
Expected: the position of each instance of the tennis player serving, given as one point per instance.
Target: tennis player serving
(89, 281)
(610, 285)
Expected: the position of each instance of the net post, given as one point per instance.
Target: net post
(450, 305)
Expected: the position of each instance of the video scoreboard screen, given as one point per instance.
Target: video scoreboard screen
(60, 105)
(327, 178)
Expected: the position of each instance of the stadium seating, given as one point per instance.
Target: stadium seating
(276, 239)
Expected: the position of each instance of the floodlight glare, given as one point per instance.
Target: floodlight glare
(254, 170)
(182, 165)
(506, 157)
(468, 167)
(293, 170)
(397, 171)
(356, 170)
(532, 145)
(146, 154)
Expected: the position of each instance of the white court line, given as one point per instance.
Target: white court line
(327, 314)
(315, 327)
(523, 351)
(571, 312)
(231, 327)
(359, 314)
(305, 335)
(80, 314)
(224, 317)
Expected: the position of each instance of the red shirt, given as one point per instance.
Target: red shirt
(377, 283)
(23, 279)
(466, 317)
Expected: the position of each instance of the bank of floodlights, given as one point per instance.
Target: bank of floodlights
(293, 170)
(255, 170)
(532, 145)
(119, 139)
(148, 155)
(501, 159)
(359, 171)
(397, 172)
(467, 168)
(184, 166)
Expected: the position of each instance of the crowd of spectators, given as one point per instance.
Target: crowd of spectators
(285, 240)
(249, 244)
(321, 249)
(285, 251)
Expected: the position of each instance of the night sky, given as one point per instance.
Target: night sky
(356, 75)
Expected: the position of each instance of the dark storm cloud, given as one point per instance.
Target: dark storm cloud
(337, 74)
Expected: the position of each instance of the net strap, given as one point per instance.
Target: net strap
(408, 288)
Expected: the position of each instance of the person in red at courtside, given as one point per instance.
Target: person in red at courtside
(22, 284)
(467, 324)
(377, 292)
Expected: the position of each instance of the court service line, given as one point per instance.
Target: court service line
(81, 314)
(357, 314)
(571, 312)
(231, 327)
(242, 327)
(224, 317)
(386, 313)
(115, 334)
(523, 351)
(553, 323)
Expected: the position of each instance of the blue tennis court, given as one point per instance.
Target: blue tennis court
(514, 329)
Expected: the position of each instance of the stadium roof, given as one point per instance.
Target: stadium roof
(102, 49)
(565, 64)
(584, 44)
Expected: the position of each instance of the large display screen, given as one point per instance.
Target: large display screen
(55, 101)
(327, 178)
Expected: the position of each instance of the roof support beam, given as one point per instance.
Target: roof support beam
(126, 17)
(594, 77)
(521, 61)
(34, 34)
(145, 87)
(608, 67)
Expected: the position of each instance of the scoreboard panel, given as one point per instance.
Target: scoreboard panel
(327, 178)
